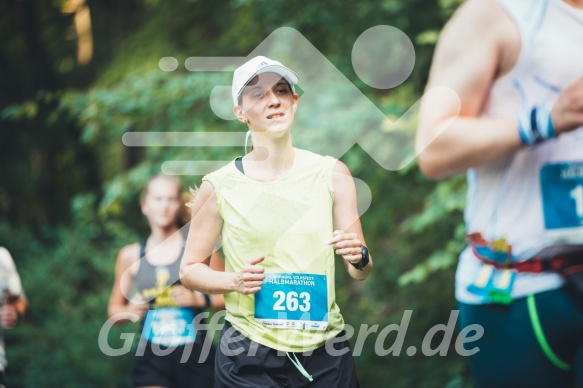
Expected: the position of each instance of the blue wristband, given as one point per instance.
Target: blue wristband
(535, 124)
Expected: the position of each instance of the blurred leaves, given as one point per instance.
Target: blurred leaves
(69, 188)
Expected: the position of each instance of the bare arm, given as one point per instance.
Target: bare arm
(347, 238)
(217, 264)
(12, 309)
(469, 56)
(205, 228)
(189, 298)
(479, 44)
(21, 305)
(124, 274)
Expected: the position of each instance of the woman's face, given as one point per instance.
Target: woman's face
(161, 204)
(267, 104)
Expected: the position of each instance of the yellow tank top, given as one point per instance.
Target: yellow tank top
(288, 221)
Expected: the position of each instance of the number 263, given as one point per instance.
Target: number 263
(292, 301)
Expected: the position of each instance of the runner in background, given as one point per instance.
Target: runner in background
(517, 67)
(149, 271)
(281, 213)
(13, 302)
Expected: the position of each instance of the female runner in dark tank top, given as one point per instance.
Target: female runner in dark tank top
(147, 285)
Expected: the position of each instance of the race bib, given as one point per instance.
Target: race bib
(172, 326)
(562, 198)
(293, 301)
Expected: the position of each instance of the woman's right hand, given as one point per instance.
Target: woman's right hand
(250, 279)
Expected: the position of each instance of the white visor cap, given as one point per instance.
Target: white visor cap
(245, 73)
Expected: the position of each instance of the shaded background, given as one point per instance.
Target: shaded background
(78, 74)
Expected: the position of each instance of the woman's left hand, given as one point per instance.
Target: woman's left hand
(185, 297)
(348, 245)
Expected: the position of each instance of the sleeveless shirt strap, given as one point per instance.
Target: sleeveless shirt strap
(143, 247)
(239, 164)
(184, 234)
(537, 19)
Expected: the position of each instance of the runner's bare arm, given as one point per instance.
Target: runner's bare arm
(205, 228)
(125, 270)
(467, 59)
(185, 297)
(218, 264)
(348, 237)
(21, 305)
(12, 310)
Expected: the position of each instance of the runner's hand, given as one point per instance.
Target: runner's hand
(567, 111)
(185, 297)
(250, 279)
(347, 245)
(8, 316)
(138, 306)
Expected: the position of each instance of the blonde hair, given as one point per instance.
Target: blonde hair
(192, 195)
(188, 201)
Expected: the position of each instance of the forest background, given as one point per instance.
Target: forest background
(79, 74)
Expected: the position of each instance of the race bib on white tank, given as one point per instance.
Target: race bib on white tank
(562, 198)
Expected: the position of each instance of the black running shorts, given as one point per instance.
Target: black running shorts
(249, 364)
(167, 370)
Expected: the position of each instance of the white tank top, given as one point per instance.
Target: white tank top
(504, 197)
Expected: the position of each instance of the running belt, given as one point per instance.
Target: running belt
(538, 265)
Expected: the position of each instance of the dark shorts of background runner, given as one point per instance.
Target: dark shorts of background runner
(510, 355)
(167, 370)
(267, 368)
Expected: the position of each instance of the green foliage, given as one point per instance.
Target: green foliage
(69, 191)
(66, 274)
(447, 199)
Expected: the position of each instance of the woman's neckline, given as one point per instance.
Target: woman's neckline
(290, 171)
(147, 259)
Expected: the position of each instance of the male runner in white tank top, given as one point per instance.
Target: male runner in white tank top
(517, 68)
